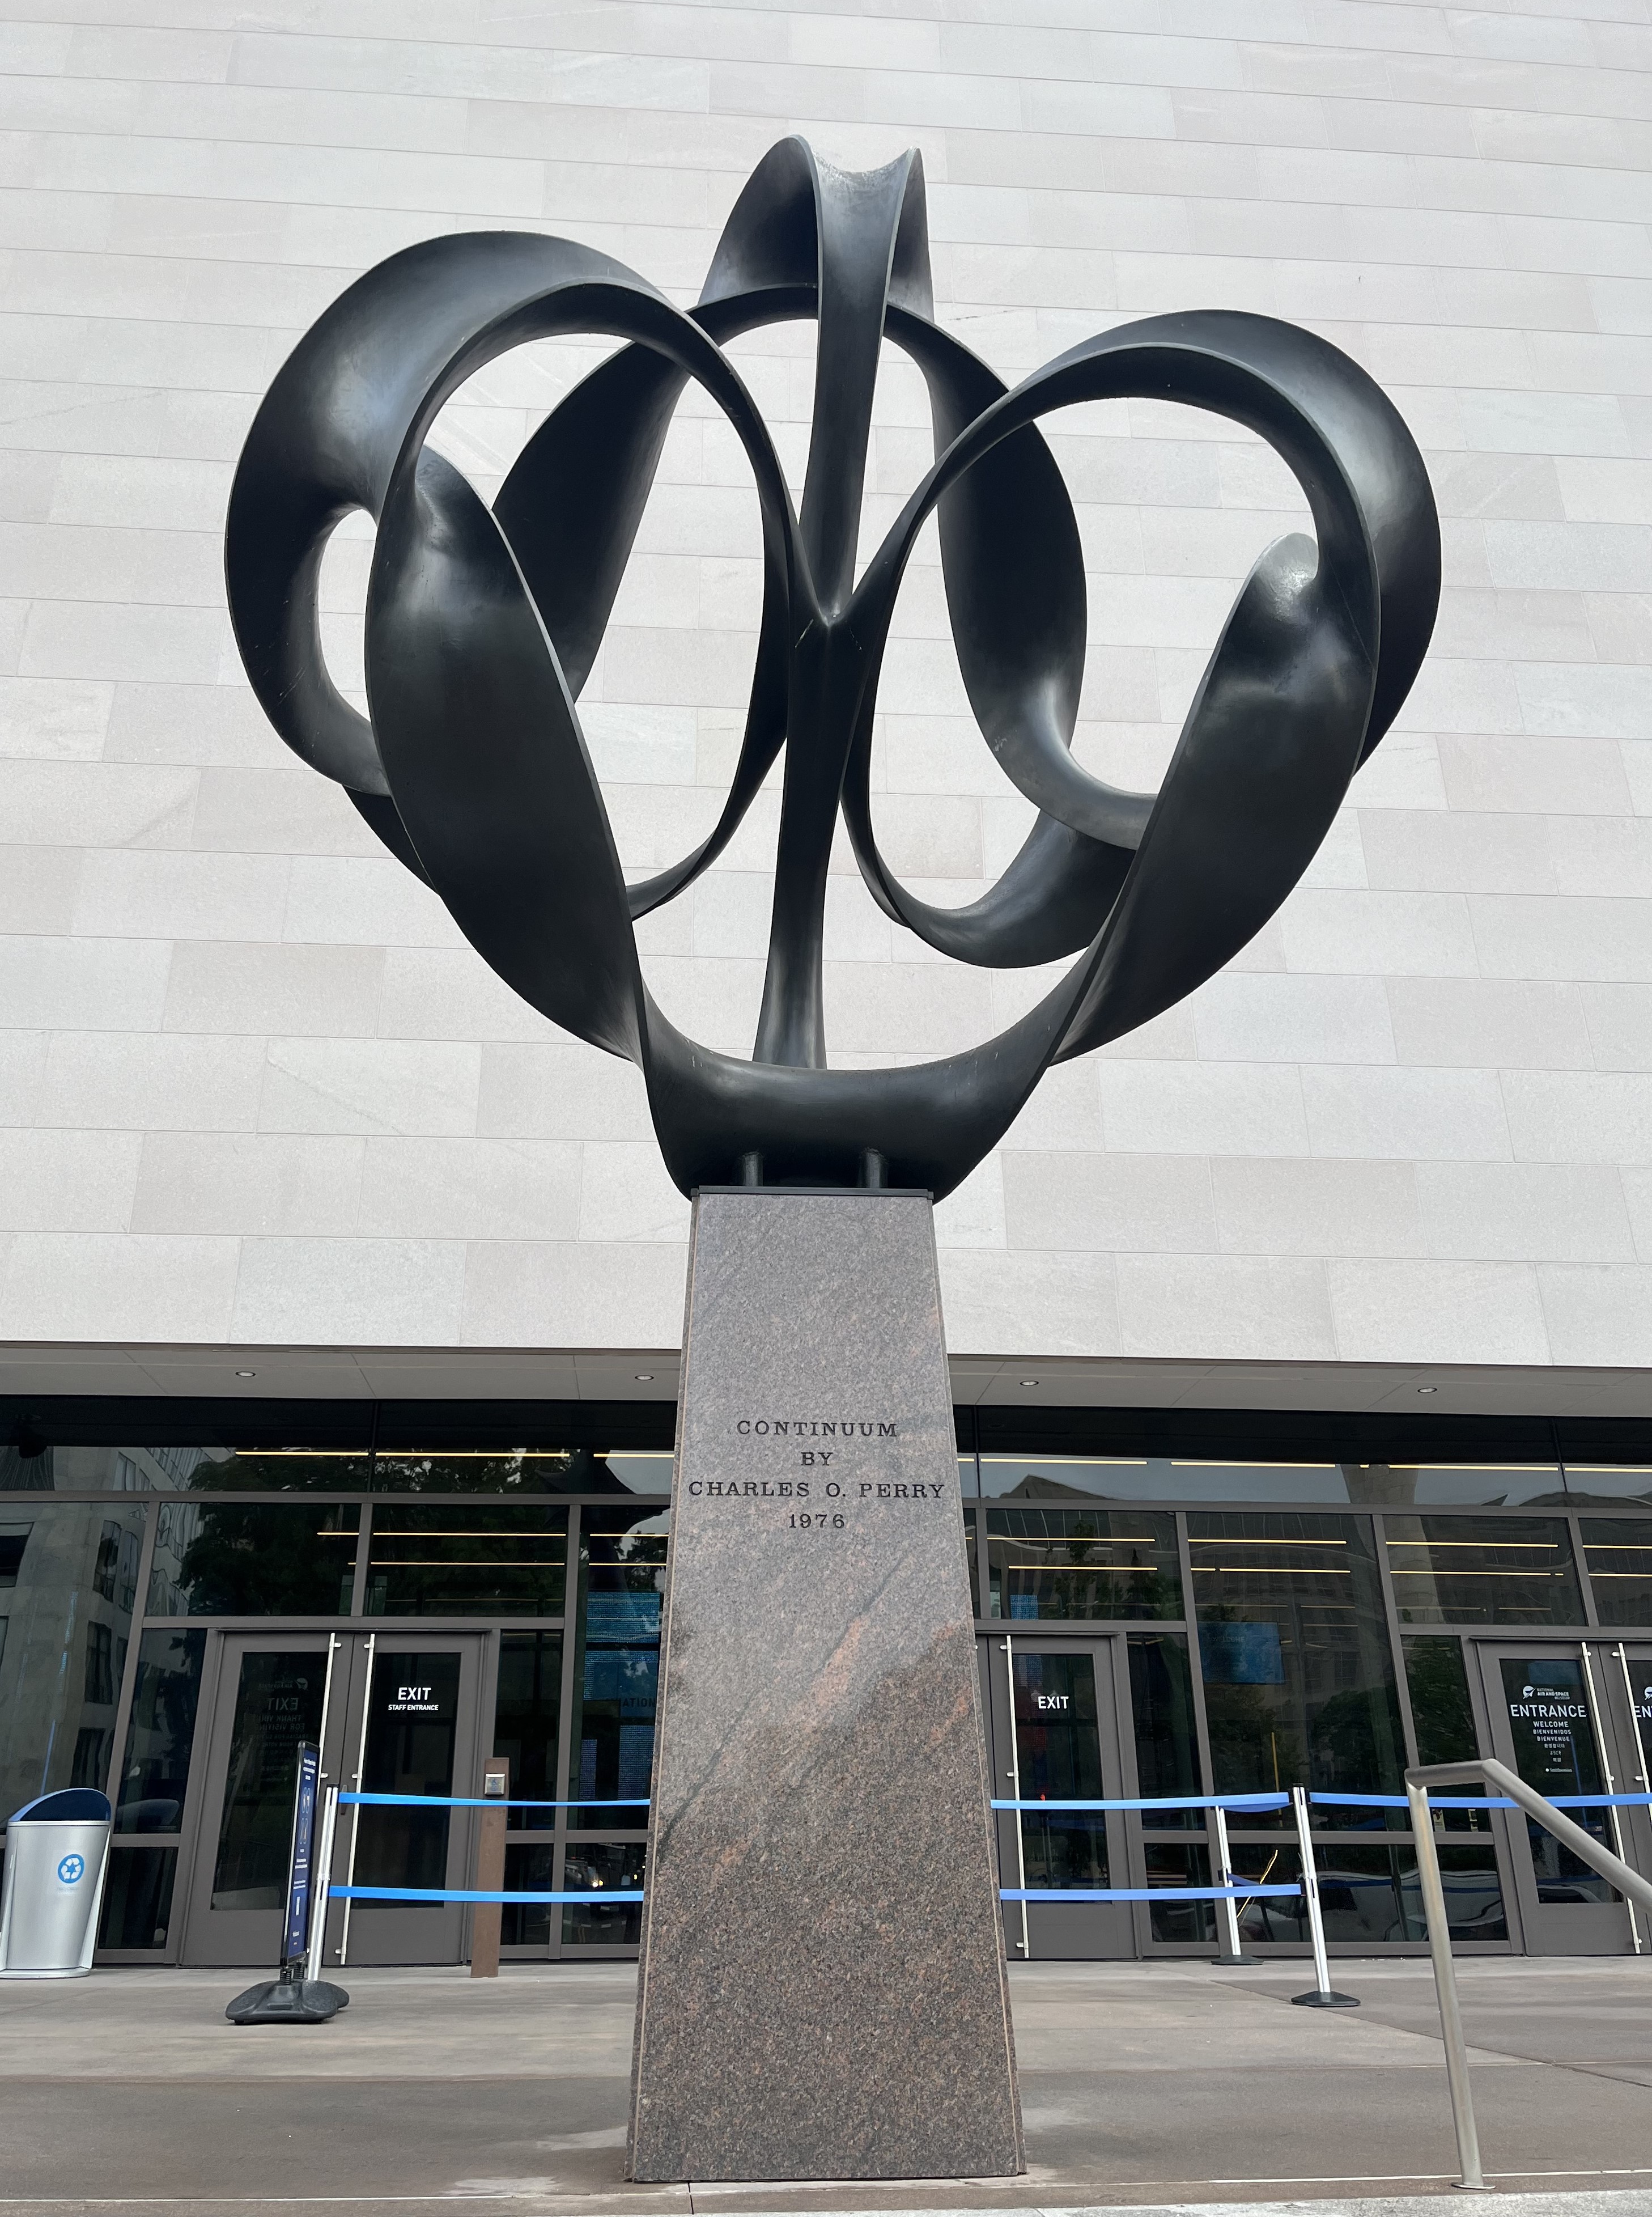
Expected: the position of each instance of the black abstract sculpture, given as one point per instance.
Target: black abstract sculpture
(483, 625)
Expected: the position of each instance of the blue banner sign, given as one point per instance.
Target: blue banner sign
(295, 1937)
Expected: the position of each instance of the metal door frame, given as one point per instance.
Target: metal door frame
(478, 1649)
(1536, 1919)
(1125, 1864)
(203, 1801)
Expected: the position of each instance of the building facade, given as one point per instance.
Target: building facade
(1299, 1341)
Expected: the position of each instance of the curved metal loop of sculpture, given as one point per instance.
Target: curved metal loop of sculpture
(482, 626)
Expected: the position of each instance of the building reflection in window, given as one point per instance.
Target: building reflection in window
(1166, 1765)
(1455, 1485)
(68, 1590)
(1299, 1685)
(601, 1869)
(1617, 1553)
(161, 1736)
(1497, 1569)
(1070, 1564)
(617, 1665)
(1600, 1485)
(1371, 1895)
(525, 1719)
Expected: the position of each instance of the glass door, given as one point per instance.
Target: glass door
(410, 1727)
(1055, 1737)
(1622, 1676)
(1547, 1727)
(273, 1689)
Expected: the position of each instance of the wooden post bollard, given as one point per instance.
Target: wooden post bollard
(489, 1867)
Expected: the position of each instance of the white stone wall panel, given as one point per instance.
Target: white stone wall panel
(253, 1086)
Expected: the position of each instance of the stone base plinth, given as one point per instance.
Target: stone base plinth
(822, 1991)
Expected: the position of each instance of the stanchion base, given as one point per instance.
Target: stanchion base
(293, 2001)
(1316, 2000)
(1240, 1962)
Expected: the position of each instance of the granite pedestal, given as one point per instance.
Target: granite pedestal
(822, 1991)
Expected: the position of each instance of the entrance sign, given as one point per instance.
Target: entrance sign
(820, 1924)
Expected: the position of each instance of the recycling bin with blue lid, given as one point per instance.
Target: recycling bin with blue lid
(57, 1857)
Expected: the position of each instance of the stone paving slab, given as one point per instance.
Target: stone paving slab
(1158, 2086)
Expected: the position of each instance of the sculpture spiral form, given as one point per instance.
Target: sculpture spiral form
(482, 626)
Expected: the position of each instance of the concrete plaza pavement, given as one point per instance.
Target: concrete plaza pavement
(1156, 2085)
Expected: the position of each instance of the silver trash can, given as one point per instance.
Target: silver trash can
(57, 1857)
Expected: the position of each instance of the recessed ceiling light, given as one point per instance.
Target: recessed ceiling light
(1428, 1389)
(644, 1377)
(1029, 1381)
(246, 1373)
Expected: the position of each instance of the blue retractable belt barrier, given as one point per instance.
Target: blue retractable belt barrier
(1485, 1801)
(1168, 1801)
(458, 1893)
(1140, 1892)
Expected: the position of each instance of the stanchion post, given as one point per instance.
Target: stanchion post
(1451, 2022)
(323, 1885)
(1324, 1995)
(488, 1915)
(1227, 1909)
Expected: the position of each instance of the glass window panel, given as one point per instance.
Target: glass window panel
(969, 1550)
(618, 1924)
(26, 1470)
(278, 1470)
(106, 1469)
(1167, 1744)
(1437, 1679)
(530, 1867)
(1299, 1684)
(278, 1702)
(523, 1469)
(525, 1716)
(255, 1559)
(68, 1585)
(1363, 1897)
(465, 1560)
(969, 1477)
(1457, 1486)
(1474, 1893)
(1193, 1480)
(138, 1898)
(1073, 1564)
(1592, 1485)
(411, 1724)
(1619, 1556)
(1272, 1919)
(1173, 1866)
(617, 1663)
(1123, 1478)
(161, 1736)
(1482, 1569)
(1370, 1895)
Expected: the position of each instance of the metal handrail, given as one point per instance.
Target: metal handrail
(1582, 1844)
